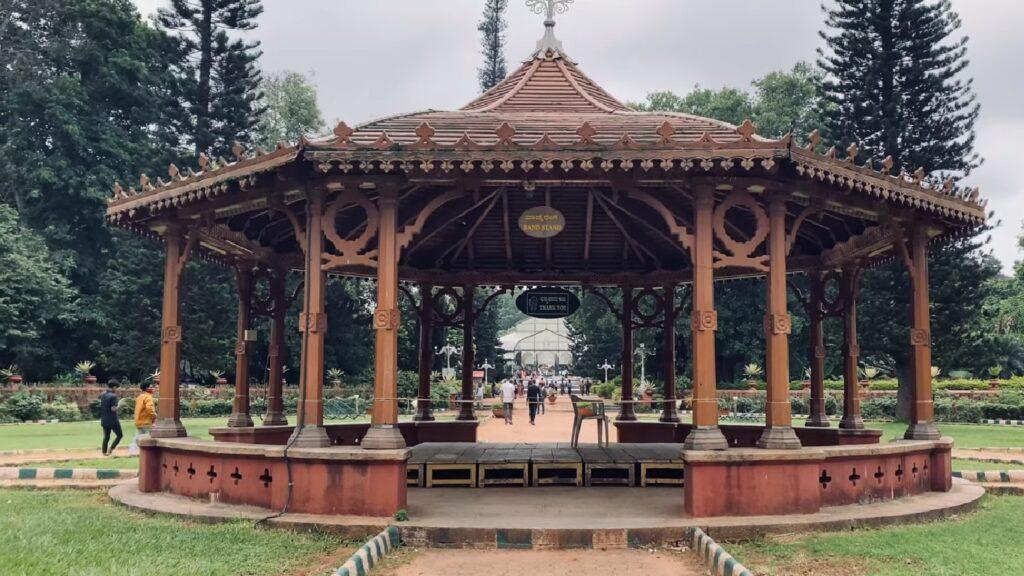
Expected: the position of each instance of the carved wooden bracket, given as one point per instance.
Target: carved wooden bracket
(642, 319)
(598, 292)
(300, 234)
(704, 320)
(738, 252)
(192, 238)
(410, 231)
(386, 319)
(313, 322)
(778, 324)
(351, 252)
(171, 334)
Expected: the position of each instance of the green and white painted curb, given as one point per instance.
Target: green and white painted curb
(1001, 422)
(717, 561)
(1014, 476)
(370, 554)
(11, 473)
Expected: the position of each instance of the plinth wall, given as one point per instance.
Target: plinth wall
(336, 481)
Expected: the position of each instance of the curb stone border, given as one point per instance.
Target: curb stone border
(371, 553)
(12, 473)
(1001, 422)
(716, 560)
(1015, 476)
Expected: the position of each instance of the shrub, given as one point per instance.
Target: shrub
(833, 384)
(63, 411)
(960, 384)
(951, 410)
(750, 404)
(799, 405)
(879, 408)
(885, 384)
(24, 406)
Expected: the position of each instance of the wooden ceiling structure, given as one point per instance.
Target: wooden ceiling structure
(547, 135)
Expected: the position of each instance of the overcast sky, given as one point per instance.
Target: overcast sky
(375, 58)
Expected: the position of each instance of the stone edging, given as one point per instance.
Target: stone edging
(12, 473)
(371, 553)
(1004, 422)
(1015, 476)
(717, 561)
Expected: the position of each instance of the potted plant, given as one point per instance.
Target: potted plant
(498, 410)
(869, 372)
(334, 376)
(552, 396)
(84, 369)
(994, 372)
(586, 409)
(753, 372)
(648, 392)
(11, 374)
(218, 377)
(807, 379)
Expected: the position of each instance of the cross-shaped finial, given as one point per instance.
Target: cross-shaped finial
(549, 8)
(549, 44)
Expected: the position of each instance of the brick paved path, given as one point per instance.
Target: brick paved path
(555, 425)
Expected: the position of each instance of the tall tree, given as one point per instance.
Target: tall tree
(492, 28)
(894, 83)
(290, 109)
(218, 76)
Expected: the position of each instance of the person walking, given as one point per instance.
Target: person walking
(508, 398)
(108, 417)
(534, 400)
(145, 415)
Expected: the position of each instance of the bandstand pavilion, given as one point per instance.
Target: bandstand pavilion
(428, 204)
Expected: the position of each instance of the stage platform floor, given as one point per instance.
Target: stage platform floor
(477, 465)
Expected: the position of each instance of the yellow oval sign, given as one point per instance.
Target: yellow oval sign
(542, 222)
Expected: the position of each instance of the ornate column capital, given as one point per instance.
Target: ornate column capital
(778, 324)
(171, 334)
(313, 322)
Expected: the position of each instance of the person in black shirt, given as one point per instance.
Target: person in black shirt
(108, 417)
(533, 399)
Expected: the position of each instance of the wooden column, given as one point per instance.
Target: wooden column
(851, 351)
(240, 417)
(626, 412)
(468, 319)
(384, 433)
(168, 422)
(922, 426)
(778, 432)
(668, 412)
(424, 409)
(816, 351)
(705, 434)
(309, 424)
(276, 353)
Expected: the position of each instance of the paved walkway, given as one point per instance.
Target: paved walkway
(1008, 455)
(544, 563)
(555, 425)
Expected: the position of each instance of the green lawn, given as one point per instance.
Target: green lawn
(985, 542)
(960, 464)
(117, 463)
(82, 435)
(965, 435)
(82, 533)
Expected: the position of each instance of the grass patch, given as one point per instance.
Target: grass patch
(984, 542)
(83, 435)
(965, 435)
(961, 464)
(117, 463)
(82, 533)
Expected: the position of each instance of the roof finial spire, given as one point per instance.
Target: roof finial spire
(549, 8)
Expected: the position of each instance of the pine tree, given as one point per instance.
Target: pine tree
(894, 84)
(218, 76)
(493, 29)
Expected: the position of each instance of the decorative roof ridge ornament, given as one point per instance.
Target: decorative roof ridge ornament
(549, 46)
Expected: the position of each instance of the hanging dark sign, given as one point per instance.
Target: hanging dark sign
(547, 303)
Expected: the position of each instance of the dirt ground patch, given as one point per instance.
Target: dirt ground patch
(540, 563)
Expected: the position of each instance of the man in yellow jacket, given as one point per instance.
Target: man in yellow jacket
(145, 415)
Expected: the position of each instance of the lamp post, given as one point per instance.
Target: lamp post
(448, 350)
(643, 353)
(606, 367)
(485, 367)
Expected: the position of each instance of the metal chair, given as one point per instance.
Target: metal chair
(598, 414)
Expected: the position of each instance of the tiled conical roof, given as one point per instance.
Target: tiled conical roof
(549, 82)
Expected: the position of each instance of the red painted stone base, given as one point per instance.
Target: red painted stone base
(352, 434)
(741, 435)
(750, 482)
(343, 481)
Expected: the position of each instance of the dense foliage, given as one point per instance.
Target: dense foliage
(492, 31)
